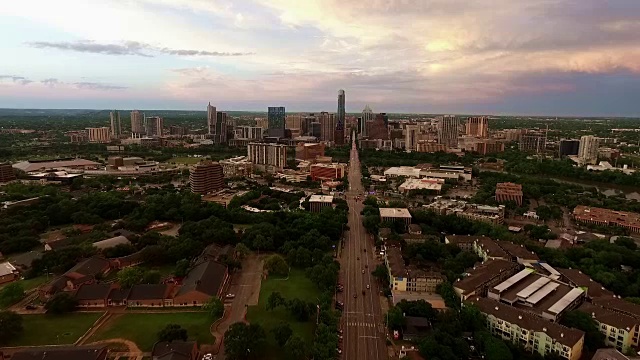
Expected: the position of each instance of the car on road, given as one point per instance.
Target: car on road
(363, 271)
(208, 356)
(30, 307)
(358, 258)
(339, 350)
(368, 286)
(230, 296)
(363, 292)
(340, 331)
(366, 266)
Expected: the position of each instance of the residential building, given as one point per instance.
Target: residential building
(79, 136)
(475, 212)
(606, 217)
(509, 192)
(319, 202)
(610, 354)
(394, 214)
(116, 126)
(327, 126)
(489, 147)
(98, 135)
(204, 281)
(588, 149)
(248, 132)
(448, 130)
(206, 177)
(239, 166)
(404, 279)
(137, 123)
(430, 146)
(7, 173)
(340, 119)
(175, 350)
(569, 147)
(178, 130)
(220, 128)
(150, 295)
(56, 352)
(412, 133)
(8, 273)
(621, 331)
(267, 155)
(533, 333)
(535, 142)
(154, 126)
(309, 151)
(276, 116)
(477, 281)
(477, 126)
(212, 117)
(608, 153)
(327, 171)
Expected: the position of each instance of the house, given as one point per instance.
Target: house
(204, 281)
(121, 232)
(111, 242)
(150, 295)
(415, 327)
(62, 353)
(85, 272)
(24, 261)
(58, 244)
(92, 295)
(175, 350)
(8, 273)
(215, 252)
(415, 229)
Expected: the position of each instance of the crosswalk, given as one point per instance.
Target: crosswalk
(362, 324)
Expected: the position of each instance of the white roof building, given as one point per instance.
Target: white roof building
(321, 199)
(422, 184)
(112, 242)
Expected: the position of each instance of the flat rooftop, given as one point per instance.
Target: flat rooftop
(623, 218)
(399, 213)
(321, 198)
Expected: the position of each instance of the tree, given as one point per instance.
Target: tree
(242, 250)
(396, 319)
(151, 277)
(61, 303)
(300, 309)
(10, 326)
(130, 276)
(172, 332)
(593, 339)
(276, 265)
(295, 348)
(243, 340)
(214, 307)
(182, 268)
(275, 299)
(11, 294)
(282, 332)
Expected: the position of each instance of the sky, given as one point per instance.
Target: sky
(533, 57)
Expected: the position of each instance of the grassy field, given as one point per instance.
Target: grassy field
(296, 286)
(52, 330)
(143, 328)
(185, 160)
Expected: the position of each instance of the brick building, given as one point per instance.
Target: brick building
(509, 192)
(327, 171)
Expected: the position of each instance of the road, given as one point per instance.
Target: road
(362, 319)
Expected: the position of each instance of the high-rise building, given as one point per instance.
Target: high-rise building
(588, 150)
(327, 126)
(116, 126)
(294, 121)
(477, 126)
(569, 147)
(137, 123)
(315, 129)
(367, 117)
(378, 128)
(220, 128)
(206, 177)
(6, 173)
(411, 137)
(340, 118)
(99, 135)
(178, 130)
(211, 119)
(154, 125)
(248, 132)
(271, 155)
(448, 130)
(276, 116)
(533, 142)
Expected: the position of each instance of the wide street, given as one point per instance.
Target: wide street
(362, 319)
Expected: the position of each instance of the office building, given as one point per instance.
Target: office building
(367, 117)
(509, 192)
(448, 129)
(6, 173)
(327, 171)
(309, 151)
(327, 126)
(220, 128)
(535, 142)
(178, 130)
(137, 123)
(477, 126)
(154, 126)
(206, 177)
(379, 127)
(116, 126)
(275, 118)
(238, 166)
(294, 121)
(340, 121)
(211, 119)
(99, 135)
(79, 136)
(248, 132)
(393, 214)
(569, 147)
(315, 130)
(588, 149)
(489, 147)
(319, 202)
(412, 133)
(270, 156)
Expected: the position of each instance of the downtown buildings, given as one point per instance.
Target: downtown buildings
(588, 149)
(267, 157)
(116, 126)
(340, 123)
(137, 123)
(276, 121)
(448, 130)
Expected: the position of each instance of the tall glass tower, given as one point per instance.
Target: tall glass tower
(339, 136)
(275, 120)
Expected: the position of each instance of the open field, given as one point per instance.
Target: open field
(296, 286)
(143, 328)
(54, 329)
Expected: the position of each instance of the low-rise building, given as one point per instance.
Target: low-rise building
(175, 350)
(322, 171)
(434, 185)
(319, 202)
(620, 330)
(239, 166)
(111, 242)
(509, 192)
(606, 217)
(474, 212)
(8, 273)
(464, 242)
(150, 295)
(405, 278)
(92, 295)
(481, 278)
(204, 281)
(85, 272)
(394, 214)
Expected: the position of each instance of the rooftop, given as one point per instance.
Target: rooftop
(611, 217)
(491, 247)
(6, 269)
(609, 317)
(395, 213)
(112, 242)
(34, 165)
(516, 250)
(484, 273)
(206, 277)
(594, 289)
(62, 353)
(92, 292)
(508, 188)
(148, 292)
(423, 184)
(321, 198)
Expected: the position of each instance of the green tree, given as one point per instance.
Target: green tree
(182, 268)
(214, 307)
(243, 341)
(172, 332)
(11, 294)
(61, 303)
(295, 348)
(274, 300)
(276, 265)
(593, 339)
(151, 277)
(130, 276)
(395, 318)
(282, 332)
(10, 326)
(242, 250)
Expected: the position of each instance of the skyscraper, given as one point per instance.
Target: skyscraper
(534, 141)
(211, 119)
(367, 116)
(448, 128)
(327, 126)
(588, 150)
(411, 137)
(154, 125)
(276, 116)
(116, 127)
(137, 123)
(477, 126)
(569, 147)
(220, 128)
(340, 118)
(378, 128)
(98, 135)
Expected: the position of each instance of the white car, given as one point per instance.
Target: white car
(368, 286)
(230, 296)
(207, 357)
(339, 350)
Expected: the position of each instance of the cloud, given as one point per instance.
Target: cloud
(16, 79)
(97, 86)
(127, 48)
(51, 82)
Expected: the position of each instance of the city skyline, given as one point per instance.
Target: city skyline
(504, 57)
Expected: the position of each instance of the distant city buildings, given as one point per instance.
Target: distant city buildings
(327, 126)
(477, 126)
(448, 130)
(137, 123)
(206, 177)
(309, 151)
(116, 126)
(378, 128)
(248, 132)
(220, 128)
(99, 135)
(212, 117)
(340, 121)
(569, 147)
(588, 149)
(327, 171)
(276, 121)
(6, 173)
(267, 156)
(367, 117)
(509, 192)
(534, 142)
(154, 126)
(239, 166)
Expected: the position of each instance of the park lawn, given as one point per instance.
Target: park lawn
(185, 160)
(54, 329)
(143, 328)
(296, 286)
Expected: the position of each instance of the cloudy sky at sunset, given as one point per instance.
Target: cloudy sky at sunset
(564, 57)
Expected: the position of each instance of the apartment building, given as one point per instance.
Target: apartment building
(509, 192)
(605, 217)
(409, 279)
(480, 279)
(620, 330)
(267, 155)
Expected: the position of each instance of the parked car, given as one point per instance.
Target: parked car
(30, 307)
